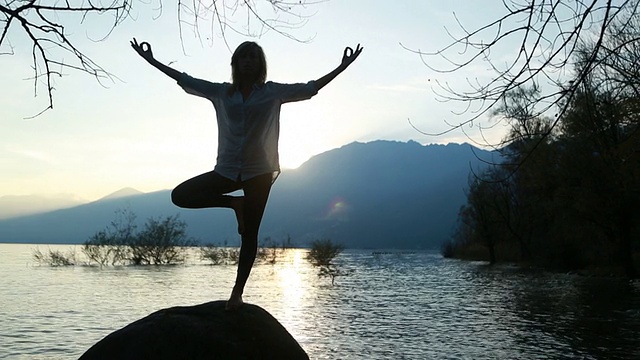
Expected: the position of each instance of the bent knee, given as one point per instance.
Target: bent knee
(178, 198)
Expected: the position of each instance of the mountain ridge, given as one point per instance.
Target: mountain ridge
(124, 192)
(380, 194)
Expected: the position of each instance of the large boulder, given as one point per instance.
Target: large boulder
(205, 331)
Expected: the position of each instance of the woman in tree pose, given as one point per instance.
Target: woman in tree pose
(248, 116)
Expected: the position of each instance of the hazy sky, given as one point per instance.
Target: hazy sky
(143, 131)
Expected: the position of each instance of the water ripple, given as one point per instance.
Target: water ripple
(390, 306)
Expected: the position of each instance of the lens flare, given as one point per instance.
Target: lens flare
(338, 209)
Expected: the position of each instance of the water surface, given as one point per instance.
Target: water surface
(390, 306)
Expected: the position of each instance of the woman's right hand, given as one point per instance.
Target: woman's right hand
(143, 49)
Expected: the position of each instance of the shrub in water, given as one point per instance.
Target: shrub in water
(162, 241)
(322, 254)
(55, 257)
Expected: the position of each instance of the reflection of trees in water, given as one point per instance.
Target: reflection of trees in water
(596, 318)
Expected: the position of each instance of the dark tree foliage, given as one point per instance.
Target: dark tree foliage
(573, 204)
(162, 241)
(46, 25)
(321, 255)
(110, 245)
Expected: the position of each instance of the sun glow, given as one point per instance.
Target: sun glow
(291, 278)
(295, 291)
(292, 159)
(303, 134)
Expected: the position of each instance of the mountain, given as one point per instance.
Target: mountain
(125, 192)
(381, 194)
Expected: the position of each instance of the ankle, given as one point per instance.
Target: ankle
(237, 291)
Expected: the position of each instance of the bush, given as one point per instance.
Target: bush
(448, 249)
(103, 250)
(111, 245)
(55, 257)
(213, 254)
(220, 255)
(162, 241)
(270, 250)
(322, 254)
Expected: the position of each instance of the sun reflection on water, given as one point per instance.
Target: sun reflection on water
(390, 306)
(296, 290)
(290, 278)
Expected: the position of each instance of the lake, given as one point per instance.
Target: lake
(390, 306)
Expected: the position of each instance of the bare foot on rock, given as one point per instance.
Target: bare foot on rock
(234, 302)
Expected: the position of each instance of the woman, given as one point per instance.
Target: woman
(248, 116)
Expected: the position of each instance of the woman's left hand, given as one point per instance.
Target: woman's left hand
(350, 55)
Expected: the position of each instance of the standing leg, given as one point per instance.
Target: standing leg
(256, 193)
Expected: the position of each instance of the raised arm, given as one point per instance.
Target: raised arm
(348, 57)
(144, 49)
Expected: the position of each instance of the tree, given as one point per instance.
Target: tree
(50, 41)
(602, 135)
(322, 254)
(163, 241)
(487, 211)
(110, 246)
(573, 203)
(549, 35)
(55, 257)
(53, 47)
(571, 96)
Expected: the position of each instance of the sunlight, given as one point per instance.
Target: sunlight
(291, 279)
(297, 292)
(292, 159)
(304, 134)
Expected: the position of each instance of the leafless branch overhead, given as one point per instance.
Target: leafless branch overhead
(54, 49)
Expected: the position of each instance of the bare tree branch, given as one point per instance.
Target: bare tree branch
(549, 33)
(51, 43)
(50, 40)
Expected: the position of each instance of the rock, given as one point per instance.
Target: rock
(205, 331)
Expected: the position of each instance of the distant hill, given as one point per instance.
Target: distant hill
(381, 194)
(122, 193)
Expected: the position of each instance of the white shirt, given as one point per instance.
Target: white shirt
(248, 130)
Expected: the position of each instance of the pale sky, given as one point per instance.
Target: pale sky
(145, 132)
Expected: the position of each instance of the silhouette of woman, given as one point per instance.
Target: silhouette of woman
(248, 116)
